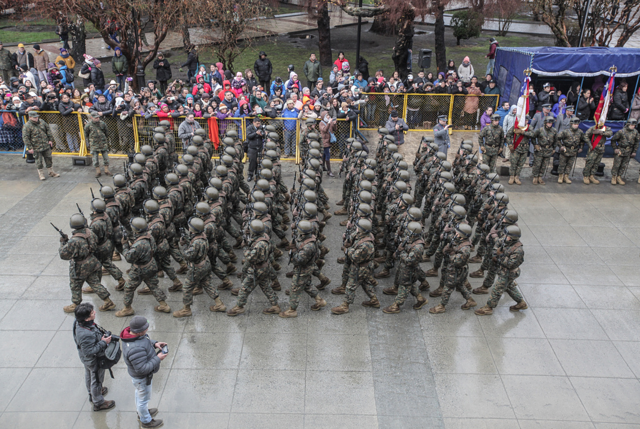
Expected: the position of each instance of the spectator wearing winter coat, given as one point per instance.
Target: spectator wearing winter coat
(586, 106)
(340, 61)
(41, 60)
(363, 67)
(620, 102)
(290, 128)
(22, 58)
(102, 106)
(201, 85)
(187, 130)
(139, 354)
(492, 89)
(66, 107)
(485, 119)
(503, 111)
(119, 66)
(312, 70)
(465, 70)
(327, 127)
(237, 83)
(191, 63)
(397, 127)
(91, 343)
(68, 59)
(276, 84)
(560, 106)
(492, 55)
(163, 71)
(97, 77)
(85, 70)
(263, 69)
(507, 123)
(215, 74)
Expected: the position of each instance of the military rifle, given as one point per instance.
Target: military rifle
(80, 210)
(93, 197)
(62, 234)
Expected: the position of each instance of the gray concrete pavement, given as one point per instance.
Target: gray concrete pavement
(570, 361)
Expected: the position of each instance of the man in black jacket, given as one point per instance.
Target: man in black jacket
(91, 343)
(262, 68)
(138, 351)
(191, 63)
(163, 71)
(255, 135)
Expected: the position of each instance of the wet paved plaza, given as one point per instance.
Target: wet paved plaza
(572, 360)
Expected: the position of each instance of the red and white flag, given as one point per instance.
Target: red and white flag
(522, 111)
(603, 108)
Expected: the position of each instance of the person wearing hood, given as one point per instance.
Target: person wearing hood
(237, 83)
(200, 85)
(263, 69)
(363, 67)
(85, 70)
(163, 71)
(41, 59)
(142, 360)
(560, 106)
(276, 84)
(191, 63)
(465, 71)
(485, 119)
(492, 55)
(120, 66)
(507, 123)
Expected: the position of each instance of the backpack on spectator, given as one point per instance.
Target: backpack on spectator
(68, 75)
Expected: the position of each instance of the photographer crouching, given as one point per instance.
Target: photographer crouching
(92, 341)
(142, 362)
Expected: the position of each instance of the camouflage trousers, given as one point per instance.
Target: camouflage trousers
(95, 155)
(199, 276)
(359, 276)
(491, 268)
(402, 275)
(105, 255)
(93, 279)
(592, 163)
(620, 165)
(301, 282)
(490, 160)
(253, 278)
(175, 252)
(232, 229)
(163, 259)
(148, 274)
(390, 262)
(215, 268)
(45, 156)
(540, 164)
(406, 281)
(505, 283)
(454, 278)
(243, 184)
(517, 161)
(566, 164)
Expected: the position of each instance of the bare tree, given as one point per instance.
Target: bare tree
(604, 20)
(505, 11)
(319, 10)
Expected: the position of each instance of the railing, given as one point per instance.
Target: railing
(419, 111)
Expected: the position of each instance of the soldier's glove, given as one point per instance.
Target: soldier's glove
(64, 239)
(517, 131)
(537, 147)
(598, 131)
(563, 149)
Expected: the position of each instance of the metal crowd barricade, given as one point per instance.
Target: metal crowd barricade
(423, 110)
(11, 131)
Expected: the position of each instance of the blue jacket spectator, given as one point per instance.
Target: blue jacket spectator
(503, 111)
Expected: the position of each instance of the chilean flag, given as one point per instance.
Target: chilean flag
(603, 108)
(522, 111)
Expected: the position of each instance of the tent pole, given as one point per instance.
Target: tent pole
(579, 95)
(584, 23)
(633, 96)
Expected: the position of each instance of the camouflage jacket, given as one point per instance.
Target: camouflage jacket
(197, 250)
(626, 140)
(547, 139)
(95, 134)
(491, 137)
(460, 256)
(102, 227)
(139, 187)
(258, 252)
(523, 146)
(162, 155)
(305, 255)
(589, 135)
(79, 250)
(157, 230)
(6, 63)
(141, 251)
(363, 249)
(411, 255)
(126, 199)
(37, 136)
(572, 140)
(510, 259)
(211, 232)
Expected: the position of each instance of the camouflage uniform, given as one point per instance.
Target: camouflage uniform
(545, 145)
(36, 136)
(157, 229)
(361, 257)
(96, 136)
(518, 155)
(456, 269)
(410, 258)
(199, 274)
(304, 261)
(573, 141)
(84, 266)
(6, 65)
(509, 262)
(141, 256)
(257, 270)
(102, 227)
(594, 156)
(491, 137)
(626, 141)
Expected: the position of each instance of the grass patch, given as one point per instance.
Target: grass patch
(26, 37)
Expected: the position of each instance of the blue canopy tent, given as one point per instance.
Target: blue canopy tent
(553, 61)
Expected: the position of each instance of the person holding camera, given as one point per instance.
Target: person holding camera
(142, 362)
(92, 341)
